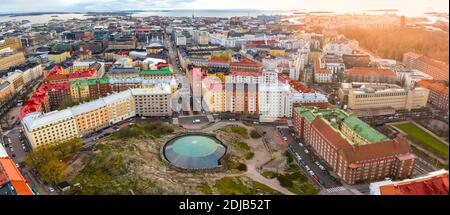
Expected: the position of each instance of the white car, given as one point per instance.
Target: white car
(322, 168)
(306, 151)
(51, 189)
(311, 172)
(301, 144)
(196, 121)
(307, 168)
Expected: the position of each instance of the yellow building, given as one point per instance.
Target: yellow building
(58, 57)
(375, 95)
(120, 106)
(12, 43)
(277, 52)
(50, 128)
(10, 59)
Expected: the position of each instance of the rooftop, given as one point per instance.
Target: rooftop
(163, 71)
(334, 116)
(370, 71)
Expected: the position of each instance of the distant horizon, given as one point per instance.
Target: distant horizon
(387, 10)
(403, 7)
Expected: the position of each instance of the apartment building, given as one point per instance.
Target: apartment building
(356, 152)
(6, 91)
(375, 95)
(154, 101)
(9, 59)
(57, 126)
(438, 94)
(11, 43)
(49, 128)
(90, 117)
(58, 57)
(437, 69)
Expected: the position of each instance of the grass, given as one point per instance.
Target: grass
(139, 130)
(109, 172)
(421, 137)
(233, 165)
(239, 130)
(241, 186)
(269, 174)
(205, 189)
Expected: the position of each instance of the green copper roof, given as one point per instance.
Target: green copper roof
(361, 128)
(163, 71)
(364, 130)
(89, 82)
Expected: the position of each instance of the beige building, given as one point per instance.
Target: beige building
(6, 91)
(154, 101)
(121, 106)
(10, 59)
(49, 128)
(375, 95)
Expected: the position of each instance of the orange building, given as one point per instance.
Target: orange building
(438, 93)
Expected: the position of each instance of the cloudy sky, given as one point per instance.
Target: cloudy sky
(405, 6)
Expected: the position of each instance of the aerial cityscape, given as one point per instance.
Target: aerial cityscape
(196, 97)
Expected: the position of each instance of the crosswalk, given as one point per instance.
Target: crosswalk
(336, 189)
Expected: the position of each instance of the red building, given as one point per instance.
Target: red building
(436, 69)
(438, 94)
(354, 151)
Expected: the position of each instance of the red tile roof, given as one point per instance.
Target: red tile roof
(35, 102)
(297, 85)
(377, 150)
(435, 86)
(436, 185)
(317, 68)
(370, 71)
(246, 73)
(332, 136)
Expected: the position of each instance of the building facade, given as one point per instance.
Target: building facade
(356, 152)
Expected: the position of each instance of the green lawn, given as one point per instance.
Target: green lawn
(421, 137)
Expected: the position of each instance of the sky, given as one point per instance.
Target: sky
(407, 7)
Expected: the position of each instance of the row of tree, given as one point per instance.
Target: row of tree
(48, 160)
(394, 42)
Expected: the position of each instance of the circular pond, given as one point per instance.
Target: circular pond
(194, 151)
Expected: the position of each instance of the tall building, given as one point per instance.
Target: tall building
(437, 69)
(356, 152)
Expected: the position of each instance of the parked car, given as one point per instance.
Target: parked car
(51, 189)
(311, 172)
(301, 144)
(307, 168)
(306, 151)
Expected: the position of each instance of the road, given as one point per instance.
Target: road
(325, 180)
(182, 98)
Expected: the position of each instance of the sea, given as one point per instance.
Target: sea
(46, 17)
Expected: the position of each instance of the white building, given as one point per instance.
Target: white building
(272, 101)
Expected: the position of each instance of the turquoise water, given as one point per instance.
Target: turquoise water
(195, 146)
